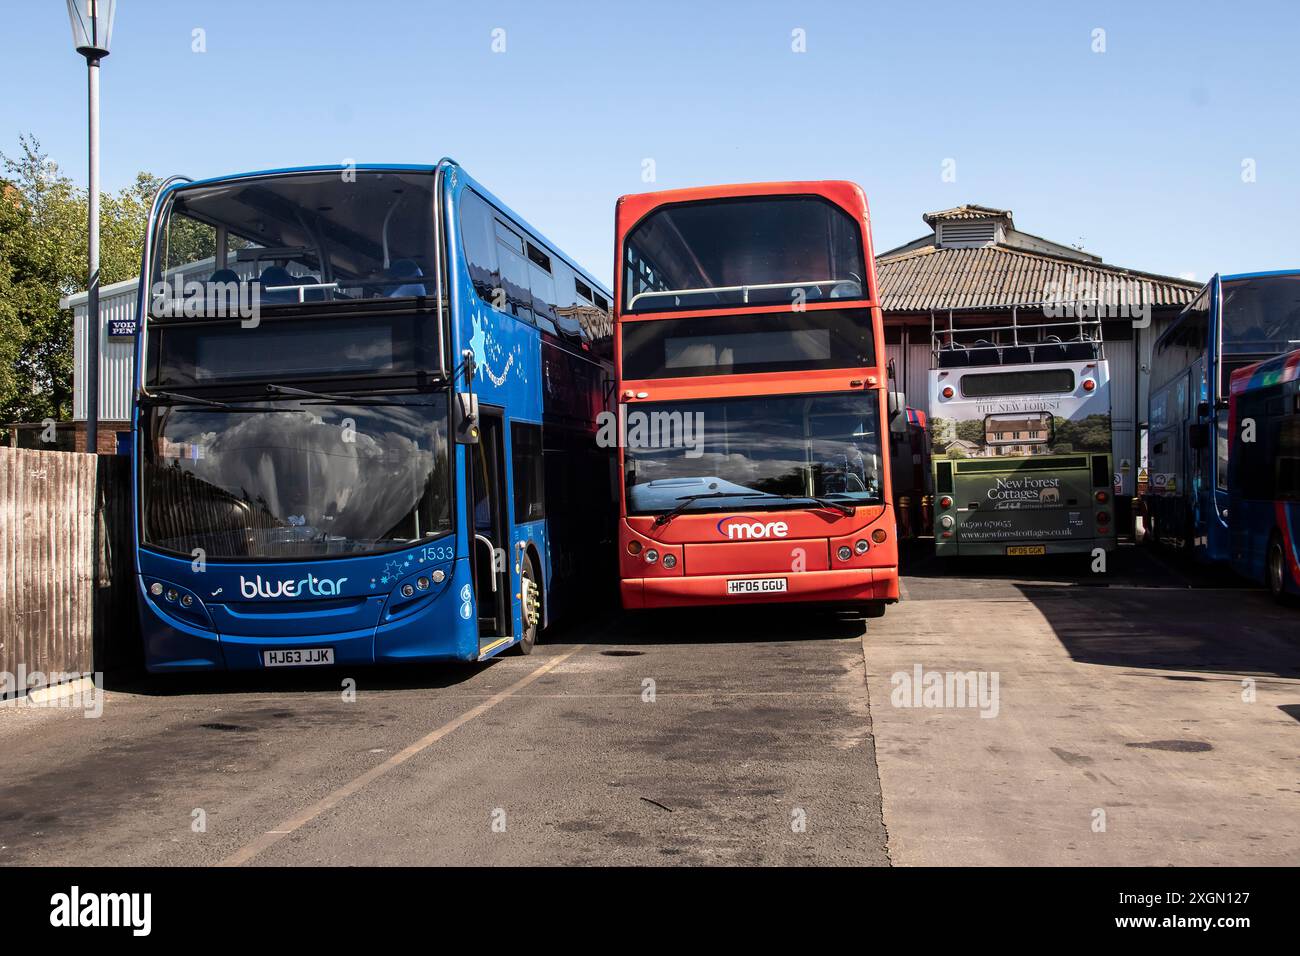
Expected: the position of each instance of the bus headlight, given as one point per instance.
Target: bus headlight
(156, 589)
(946, 522)
(651, 556)
(844, 553)
(438, 577)
(422, 583)
(407, 590)
(670, 561)
(861, 546)
(879, 535)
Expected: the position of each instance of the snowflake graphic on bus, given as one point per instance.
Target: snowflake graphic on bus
(491, 358)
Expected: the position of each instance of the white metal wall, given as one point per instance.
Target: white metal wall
(116, 355)
(1121, 358)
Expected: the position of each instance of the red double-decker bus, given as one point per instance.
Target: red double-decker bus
(752, 390)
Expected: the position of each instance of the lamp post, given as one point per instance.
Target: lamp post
(92, 25)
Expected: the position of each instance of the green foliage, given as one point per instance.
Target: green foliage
(971, 430)
(43, 238)
(1086, 434)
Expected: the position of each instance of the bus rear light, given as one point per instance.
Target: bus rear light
(634, 547)
(861, 546)
(948, 392)
(844, 553)
(1103, 517)
(1089, 385)
(1102, 497)
(946, 534)
(879, 535)
(651, 556)
(945, 502)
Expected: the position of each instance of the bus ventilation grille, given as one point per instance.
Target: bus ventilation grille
(943, 478)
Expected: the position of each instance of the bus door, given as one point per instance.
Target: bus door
(490, 529)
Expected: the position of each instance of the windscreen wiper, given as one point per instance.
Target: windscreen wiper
(179, 399)
(342, 399)
(841, 507)
(667, 516)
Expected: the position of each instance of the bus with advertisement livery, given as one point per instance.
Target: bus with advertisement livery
(1021, 439)
(360, 391)
(753, 451)
(1264, 473)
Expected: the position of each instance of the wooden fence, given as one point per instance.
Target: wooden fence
(67, 597)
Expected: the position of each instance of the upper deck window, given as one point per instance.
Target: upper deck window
(306, 238)
(737, 252)
(1261, 314)
(1020, 382)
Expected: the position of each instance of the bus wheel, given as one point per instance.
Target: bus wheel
(1275, 570)
(873, 609)
(530, 596)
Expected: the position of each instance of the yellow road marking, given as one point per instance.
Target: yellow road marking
(335, 797)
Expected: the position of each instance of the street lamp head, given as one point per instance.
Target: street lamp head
(92, 25)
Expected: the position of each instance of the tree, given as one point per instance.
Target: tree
(43, 240)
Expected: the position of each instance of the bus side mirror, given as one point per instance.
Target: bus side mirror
(897, 407)
(466, 425)
(1198, 436)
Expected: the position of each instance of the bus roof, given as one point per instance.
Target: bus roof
(400, 168)
(1274, 371)
(1259, 275)
(631, 208)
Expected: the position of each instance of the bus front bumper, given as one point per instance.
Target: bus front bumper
(849, 587)
(949, 547)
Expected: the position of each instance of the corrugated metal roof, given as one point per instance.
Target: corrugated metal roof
(995, 277)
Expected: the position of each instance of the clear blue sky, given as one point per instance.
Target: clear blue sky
(1135, 153)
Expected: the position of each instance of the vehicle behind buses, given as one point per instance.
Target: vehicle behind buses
(1021, 439)
(752, 400)
(1264, 473)
(360, 391)
(1235, 321)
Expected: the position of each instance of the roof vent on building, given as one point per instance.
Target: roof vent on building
(967, 234)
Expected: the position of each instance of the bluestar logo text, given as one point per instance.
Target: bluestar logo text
(310, 585)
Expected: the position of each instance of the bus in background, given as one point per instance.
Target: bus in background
(360, 391)
(748, 328)
(1264, 473)
(1234, 321)
(1021, 439)
(910, 460)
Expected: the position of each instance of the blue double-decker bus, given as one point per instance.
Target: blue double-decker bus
(360, 391)
(1235, 321)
